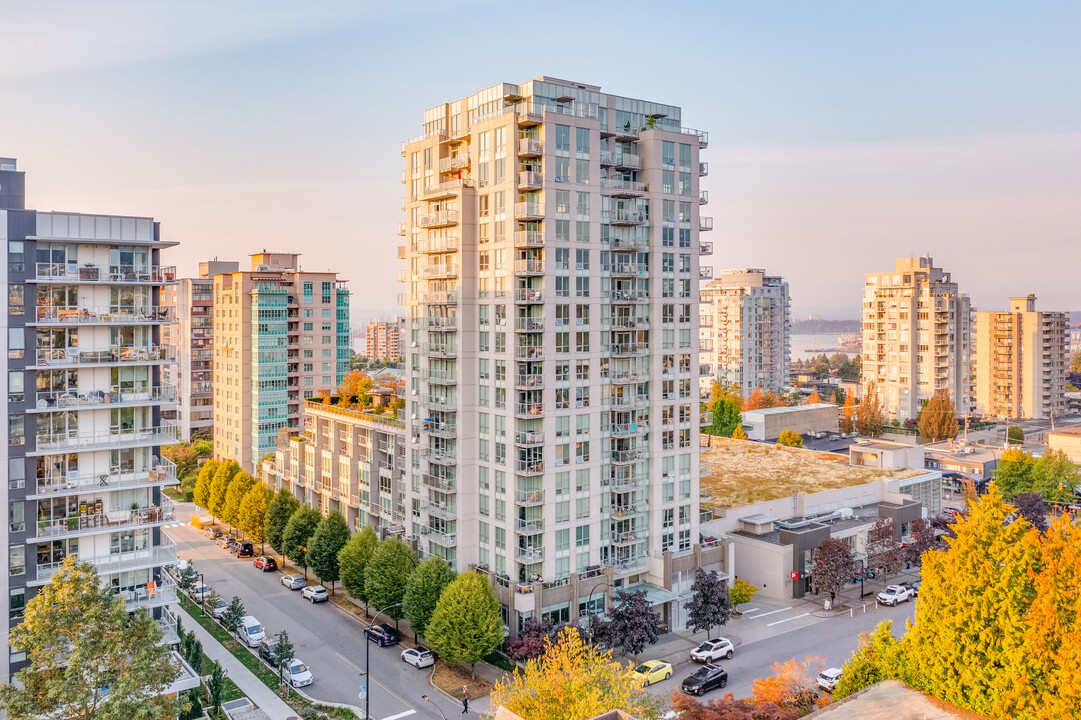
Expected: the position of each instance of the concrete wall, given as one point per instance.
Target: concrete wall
(1068, 442)
(767, 424)
(763, 565)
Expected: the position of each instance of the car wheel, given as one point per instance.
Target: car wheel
(667, 675)
(728, 655)
(724, 682)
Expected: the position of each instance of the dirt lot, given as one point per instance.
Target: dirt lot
(740, 472)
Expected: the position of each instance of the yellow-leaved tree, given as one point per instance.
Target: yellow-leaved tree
(572, 681)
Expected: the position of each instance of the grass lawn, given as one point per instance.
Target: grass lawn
(268, 676)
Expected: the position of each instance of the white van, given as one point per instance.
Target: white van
(251, 630)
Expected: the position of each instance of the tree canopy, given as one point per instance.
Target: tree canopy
(709, 605)
(235, 491)
(938, 420)
(1053, 475)
(885, 556)
(278, 512)
(252, 516)
(330, 536)
(466, 624)
(790, 438)
(870, 418)
(423, 589)
(353, 558)
(834, 565)
(632, 625)
(726, 418)
(298, 533)
(386, 575)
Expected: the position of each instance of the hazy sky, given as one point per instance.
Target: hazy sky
(842, 134)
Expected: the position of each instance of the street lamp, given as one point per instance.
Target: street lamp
(589, 606)
(427, 699)
(367, 656)
(202, 595)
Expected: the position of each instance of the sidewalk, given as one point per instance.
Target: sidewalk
(249, 684)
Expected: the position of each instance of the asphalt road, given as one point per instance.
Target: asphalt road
(328, 640)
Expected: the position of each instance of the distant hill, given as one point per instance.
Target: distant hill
(822, 327)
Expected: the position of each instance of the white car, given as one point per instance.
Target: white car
(827, 679)
(198, 592)
(294, 582)
(418, 657)
(895, 594)
(299, 674)
(713, 650)
(217, 608)
(315, 593)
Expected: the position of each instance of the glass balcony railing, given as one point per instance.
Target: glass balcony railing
(162, 473)
(90, 272)
(166, 434)
(115, 396)
(157, 556)
(105, 315)
(107, 521)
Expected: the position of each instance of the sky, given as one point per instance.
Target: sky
(842, 134)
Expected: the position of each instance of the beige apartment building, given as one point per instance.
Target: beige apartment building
(1020, 362)
(382, 341)
(551, 275)
(916, 337)
(745, 321)
(280, 334)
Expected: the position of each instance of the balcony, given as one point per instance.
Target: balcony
(457, 162)
(528, 147)
(442, 271)
(440, 457)
(441, 484)
(152, 557)
(374, 508)
(629, 402)
(625, 133)
(626, 539)
(444, 218)
(530, 554)
(628, 377)
(627, 512)
(703, 169)
(441, 429)
(528, 211)
(90, 273)
(529, 381)
(439, 349)
(627, 323)
(440, 377)
(529, 324)
(51, 400)
(629, 296)
(529, 180)
(439, 323)
(629, 269)
(107, 521)
(620, 188)
(629, 244)
(441, 402)
(705, 224)
(628, 480)
(441, 538)
(628, 564)
(529, 439)
(169, 636)
(528, 410)
(432, 246)
(528, 267)
(114, 315)
(529, 352)
(705, 248)
(75, 483)
(528, 238)
(702, 135)
(624, 218)
(440, 297)
(633, 429)
(441, 510)
(529, 497)
(166, 434)
(624, 457)
(703, 197)
(529, 295)
(626, 350)
(705, 273)
(627, 161)
(401, 229)
(531, 466)
(530, 527)
(150, 595)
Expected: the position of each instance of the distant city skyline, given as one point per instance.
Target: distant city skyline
(843, 135)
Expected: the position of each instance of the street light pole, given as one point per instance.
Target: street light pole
(367, 656)
(589, 606)
(427, 699)
(202, 595)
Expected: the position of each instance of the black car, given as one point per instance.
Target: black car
(266, 651)
(242, 548)
(706, 678)
(382, 634)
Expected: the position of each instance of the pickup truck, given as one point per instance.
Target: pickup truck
(895, 594)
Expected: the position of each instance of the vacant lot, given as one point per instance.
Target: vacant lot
(740, 472)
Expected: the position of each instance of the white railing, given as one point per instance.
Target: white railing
(105, 314)
(51, 399)
(159, 555)
(107, 521)
(90, 272)
(163, 473)
(166, 434)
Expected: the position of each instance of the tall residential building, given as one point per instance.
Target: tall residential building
(382, 341)
(916, 337)
(280, 334)
(552, 271)
(192, 339)
(744, 331)
(83, 466)
(1020, 362)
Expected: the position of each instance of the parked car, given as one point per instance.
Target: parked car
(418, 657)
(652, 671)
(704, 679)
(199, 591)
(713, 650)
(382, 634)
(298, 673)
(265, 562)
(315, 593)
(266, 650)
(213, 532)
(251, 631)
(915, 585)
(294, 582)
(827, 679)
(225, 541)
(895, 594)
(242, 548)
(217, 608)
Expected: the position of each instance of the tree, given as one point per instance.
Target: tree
(839, 396)
(78, 639)
(878, 657)
(353, 558)
(726, 418)
(466, 624)
(923, 539)
(791, 686)
(423, 589)
(194, 706)
(728, 707)
(238, 487)
(833, 566)
(758, 400)
(232, 615)
(330, 536)
(739, 433)
(1055, 476)
(813, 399)
(215, 685)
(355, 384)
(252, 516)
(572, 680)
(726, 390)
(283, 653)
(201, 493)
(884, 553)
(220, 485)
(1075, 363)
(632, 625)
(1013, 474)
(790, 438)
(386, 575)
(278, 512)
(848, 415)
(741, 592)
(870, 419)
(938, 419)
(531, 641)
(1031, 507)
(709, 605)
(1015, 435)
(298, 533)
(187, 578)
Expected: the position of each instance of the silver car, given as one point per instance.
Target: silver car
(294, 582)
(418, 657)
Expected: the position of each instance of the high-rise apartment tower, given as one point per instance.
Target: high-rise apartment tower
(382, 341)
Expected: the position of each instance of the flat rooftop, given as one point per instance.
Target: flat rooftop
(789, 410)
(862, 515)
(1071, 432)
(741, 472)
(892, 700)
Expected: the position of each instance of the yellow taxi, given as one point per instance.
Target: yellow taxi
(652, 671)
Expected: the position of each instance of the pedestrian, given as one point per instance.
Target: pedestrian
(465, 701)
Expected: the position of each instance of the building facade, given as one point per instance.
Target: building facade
(916, 337)
(1020, 362)
(382, 341)
(551, 273)
(745, 323)
(85, 396)
(280, 334)
(192, 339)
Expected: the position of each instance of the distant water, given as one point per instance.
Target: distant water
(809, 346)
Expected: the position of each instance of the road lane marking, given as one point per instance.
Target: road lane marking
(747, 610)
(771, 612)
(349, 663)
(794, 617)
(371, 679)
(407, 713)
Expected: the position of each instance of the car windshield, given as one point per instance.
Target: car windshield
(298, 668)
(701, 674)
(705, 646)
(254, 629)
(643, 668)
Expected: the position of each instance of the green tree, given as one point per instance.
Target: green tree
(353, 558)
(726, 417)
(423, 589)
(220, 486)
(466, 624)
(203, 482)
(237, 488)
(790, 438)
(1015, 435)
(278, 512)
(330, 536)
(215, 685)
(709, 605)
(387, 573)
(252, 517)
(870, 418)
(232, 615)
(1013, 474)
(839, 396)
(298, 533)
(878, 657)
(78, 639)
(938, 419)
(193, 706)
(283, 653)
(1055, 476)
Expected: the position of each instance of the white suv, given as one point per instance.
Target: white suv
(827, 679)
(895, 594)
(713, 650)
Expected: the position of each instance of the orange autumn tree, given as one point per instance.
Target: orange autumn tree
(792, 685)
(813, 399)
(848, 414)
(757, 400)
